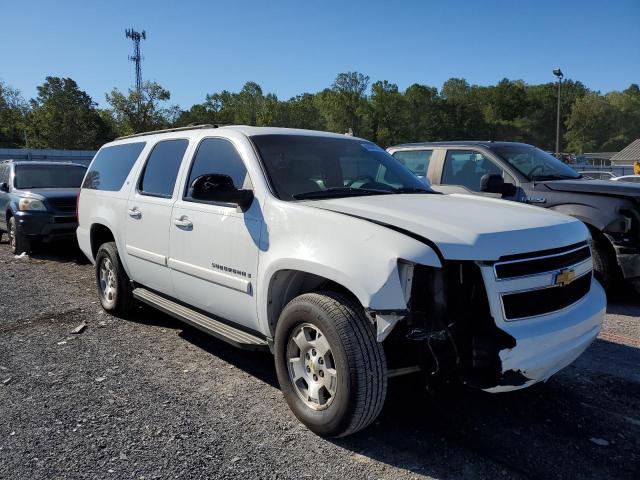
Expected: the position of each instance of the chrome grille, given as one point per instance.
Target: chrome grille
(539, 283)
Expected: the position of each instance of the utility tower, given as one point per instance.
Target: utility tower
(137, 58)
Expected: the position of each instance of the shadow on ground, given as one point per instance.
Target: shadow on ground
(543, 431)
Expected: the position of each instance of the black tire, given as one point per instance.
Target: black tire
(357, 357)
(18, 241)
(605, 268)
(120, 301)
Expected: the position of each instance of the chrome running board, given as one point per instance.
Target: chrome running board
(227, 333)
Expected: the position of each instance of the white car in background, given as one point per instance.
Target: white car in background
(329, 252)
(627, 178)
(597, 175)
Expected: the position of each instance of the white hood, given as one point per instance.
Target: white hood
(466, 227)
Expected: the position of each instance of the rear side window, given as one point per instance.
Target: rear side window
(415, 160)
(111, 166)
(4, 173)
(160, 172)
(216, 155)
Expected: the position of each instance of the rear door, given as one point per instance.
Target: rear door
(149, 214)
(417, 161)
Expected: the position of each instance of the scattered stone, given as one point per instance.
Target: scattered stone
(235, 459)
(102, 324)
(101, 379)
(79, 328)
(600, 441)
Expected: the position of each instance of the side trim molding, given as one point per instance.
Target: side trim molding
(213, 276)
(147, 255)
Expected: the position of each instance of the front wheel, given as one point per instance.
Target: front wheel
(604, 264)
(18, 242)
(331, 369)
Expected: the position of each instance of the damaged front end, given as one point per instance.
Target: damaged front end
(449, 330)
(499, 325)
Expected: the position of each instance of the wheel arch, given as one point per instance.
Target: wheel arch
(99, 234)
(286, 284)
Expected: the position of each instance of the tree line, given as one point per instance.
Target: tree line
(64, 116)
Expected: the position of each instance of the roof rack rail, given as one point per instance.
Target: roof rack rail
(177, 129)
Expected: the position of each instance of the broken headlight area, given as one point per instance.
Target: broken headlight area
(449, 330)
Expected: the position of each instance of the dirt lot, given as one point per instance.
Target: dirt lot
(151, 398)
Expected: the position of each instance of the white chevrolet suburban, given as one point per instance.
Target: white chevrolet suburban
(326, 250)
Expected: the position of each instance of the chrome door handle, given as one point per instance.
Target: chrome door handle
(183, 222)
(134, 212)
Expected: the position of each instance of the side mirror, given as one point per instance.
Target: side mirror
(215, 187)
(494, 183)
(4, 187)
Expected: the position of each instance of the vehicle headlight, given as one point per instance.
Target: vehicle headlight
(32, 204)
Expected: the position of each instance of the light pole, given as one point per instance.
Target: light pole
(558, 73)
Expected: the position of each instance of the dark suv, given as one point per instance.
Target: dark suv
(38, 201)
(524, 173)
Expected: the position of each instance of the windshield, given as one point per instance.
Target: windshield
(533, 163)
(302, 167)
(48, 176)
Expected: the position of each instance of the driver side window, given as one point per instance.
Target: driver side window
(466, 168)
(218, 156)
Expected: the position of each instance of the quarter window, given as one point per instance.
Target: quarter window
(159, 176)
(217, 156)
(466, 168)
(4, 174)
(111, 166)
(415, 160)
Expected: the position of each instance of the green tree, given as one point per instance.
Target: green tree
(248, 104)
(135, 113)
(627, 105)
(424, 116)
(591, 125)
(461, 113)
(388, 114)
(13, 113)
(303, 112)
(344, 105)
(63, 116)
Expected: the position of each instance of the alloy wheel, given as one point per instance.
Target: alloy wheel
(107, 280)
(311, 366)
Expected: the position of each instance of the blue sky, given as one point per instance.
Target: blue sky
(294, 46)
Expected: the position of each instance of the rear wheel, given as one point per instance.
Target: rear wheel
(18, 242)
(331, 369)
(114, 287)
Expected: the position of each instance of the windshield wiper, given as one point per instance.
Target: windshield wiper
(553, 177)
(412, 190)
(339, 192)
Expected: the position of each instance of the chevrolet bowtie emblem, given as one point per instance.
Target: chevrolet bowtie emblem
(564, 277)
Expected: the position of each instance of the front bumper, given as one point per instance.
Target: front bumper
(548, 344)
(46, 224)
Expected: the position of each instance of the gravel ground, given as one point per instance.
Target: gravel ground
(152, 398)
